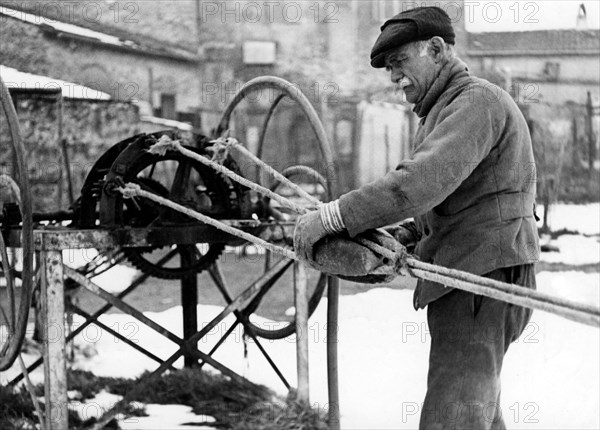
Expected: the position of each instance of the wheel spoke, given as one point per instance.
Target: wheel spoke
(181, 182)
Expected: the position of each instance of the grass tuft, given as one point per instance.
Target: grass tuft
(233, 405)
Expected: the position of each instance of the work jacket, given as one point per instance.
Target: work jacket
(469, 184)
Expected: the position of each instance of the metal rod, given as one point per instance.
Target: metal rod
(136, 283)
(221, 340)
(219, 280)
(332, 353)
(116, 334)
(301, 302)
(119, 304)
(189, 300)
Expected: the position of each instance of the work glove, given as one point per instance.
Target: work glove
(309, 230)
(338, 254)
(370, 260)
(406, 234)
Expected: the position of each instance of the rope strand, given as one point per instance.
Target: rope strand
(163, 145)
(134, 190)
(232, 142)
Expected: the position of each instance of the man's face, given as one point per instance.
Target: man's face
(412, 69)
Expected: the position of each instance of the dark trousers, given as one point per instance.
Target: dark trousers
(469, 336)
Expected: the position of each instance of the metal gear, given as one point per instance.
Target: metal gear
(190, 183)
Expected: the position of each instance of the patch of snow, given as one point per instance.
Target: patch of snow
(62, 26)
(574, 250)
(584, 219)
(117, 278)
(573, 285)
(114, 280)
(96, 406)
(163, 122)
(73, 394)
(14, 78)
(175, 417)
(37, 376)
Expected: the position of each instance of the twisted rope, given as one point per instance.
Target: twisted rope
(131, 190)
(399, 260)
(165, 144)
(233, 143)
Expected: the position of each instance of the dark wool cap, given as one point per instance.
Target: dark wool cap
(420, 23)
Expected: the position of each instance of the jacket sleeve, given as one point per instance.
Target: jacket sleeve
(465, 132)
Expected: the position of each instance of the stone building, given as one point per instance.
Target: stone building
(186, 60)
(548, 66)
(128, 66)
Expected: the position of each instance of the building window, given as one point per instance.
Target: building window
(167, 106)
(343, 137)
(257, 52)
(552, 70)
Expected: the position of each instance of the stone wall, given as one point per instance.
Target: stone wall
(89, 129)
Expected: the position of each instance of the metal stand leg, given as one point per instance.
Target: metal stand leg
(332, 353)
(301, 301)
(55, 368)
(189, 304)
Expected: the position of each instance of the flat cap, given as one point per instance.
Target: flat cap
(420, 23)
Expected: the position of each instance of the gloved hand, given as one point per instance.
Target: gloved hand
(406, 234)
(309, 230)
(373, 260)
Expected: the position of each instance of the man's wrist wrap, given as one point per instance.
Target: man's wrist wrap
(331, 218)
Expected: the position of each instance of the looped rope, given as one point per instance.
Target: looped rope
(220, 149)
(130, 190)
(232, 142)
(164, 144)
(401, 266)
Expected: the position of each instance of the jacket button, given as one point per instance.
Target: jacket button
(426, 231)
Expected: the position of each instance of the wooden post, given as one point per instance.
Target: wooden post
(301, 302)
(55, 367)
(189, 304)
(589, 131)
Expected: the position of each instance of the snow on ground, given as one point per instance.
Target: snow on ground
(172, 417)
(551, 377)
(383, 351)
(574, 250)
(159, 416)
(113, 281)
(584, 219)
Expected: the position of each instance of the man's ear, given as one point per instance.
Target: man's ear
(437, 48)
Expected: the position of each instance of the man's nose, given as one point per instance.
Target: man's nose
(397, 75)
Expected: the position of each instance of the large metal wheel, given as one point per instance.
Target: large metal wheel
(15, 318)
(179, 179)
(318, 281)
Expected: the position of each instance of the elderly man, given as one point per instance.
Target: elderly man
(470, 186)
